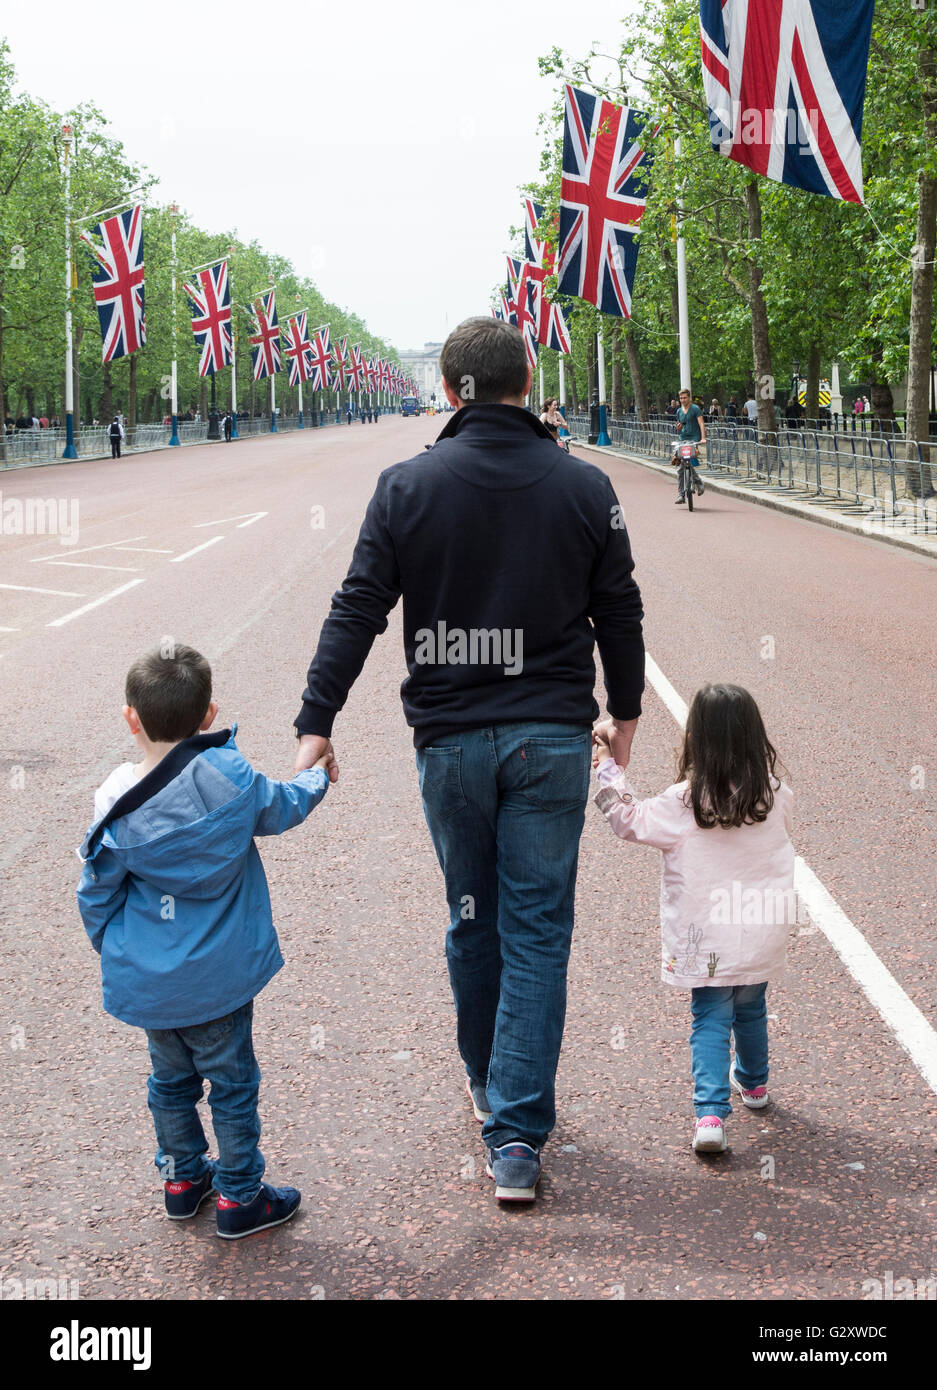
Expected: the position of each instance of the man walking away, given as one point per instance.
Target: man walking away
(228, 422)
(513, 562)
(115, 434)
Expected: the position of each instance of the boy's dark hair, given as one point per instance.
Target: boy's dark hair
(484, 359)
(170, 688)
(727, 759)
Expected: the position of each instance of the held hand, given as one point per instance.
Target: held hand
(316, 751)
(619, 735)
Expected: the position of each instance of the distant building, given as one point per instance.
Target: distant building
(423, 366)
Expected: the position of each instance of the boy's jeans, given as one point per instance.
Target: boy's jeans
(505, 806)
(716, 1014)
(221, 1052)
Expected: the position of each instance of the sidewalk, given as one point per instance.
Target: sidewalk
(901, 528)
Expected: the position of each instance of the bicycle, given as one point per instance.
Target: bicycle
(687, 477)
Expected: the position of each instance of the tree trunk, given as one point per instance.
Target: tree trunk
(812, 396)
(3, 404)
(132, 401)
(615, 403)
(917, 479)
(761, 333)
(252, 388)
(571, 381)
(203, 399)
(106, 408)
(638, 385)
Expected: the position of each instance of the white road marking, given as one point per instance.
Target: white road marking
(252, 517)
(95, 603)
(31, 589)
(915, 1034)
(9, 629)
(204, 546)
(86, 549)
(143, 549)
(84, 565)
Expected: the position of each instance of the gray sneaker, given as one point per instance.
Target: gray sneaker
(479, 1099)
(515, 1168)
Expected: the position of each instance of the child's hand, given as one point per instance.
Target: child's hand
(601, 750)
(328, 764)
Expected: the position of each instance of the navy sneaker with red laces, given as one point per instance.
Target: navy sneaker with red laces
(183, 1199)
(271, 1207)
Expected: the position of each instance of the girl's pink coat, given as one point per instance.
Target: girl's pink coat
(726, 896)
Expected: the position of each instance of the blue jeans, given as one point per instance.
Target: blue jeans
(717, 1013)
(221, 1052)
(505, 807)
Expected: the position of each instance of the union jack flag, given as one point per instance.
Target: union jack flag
(356, 368)
(265, 339)
(321, 360)
(603, 197)
(298, 348)
(785, 86)
(340, 366)
(210, 299)
(117, 280)
(522, 301)
(552, 330)
(371, 374)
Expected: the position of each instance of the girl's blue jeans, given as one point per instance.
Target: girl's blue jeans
(717, 1014)
(221, 1052)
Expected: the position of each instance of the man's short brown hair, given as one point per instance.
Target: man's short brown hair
(170, 688)
(484, 359)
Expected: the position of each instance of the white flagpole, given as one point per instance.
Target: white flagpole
(70, 452)
(174, 378)
(234, 334)
(541, 385)
(562, 431)
(683, 310)
(603, 437)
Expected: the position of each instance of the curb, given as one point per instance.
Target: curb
(805, 510)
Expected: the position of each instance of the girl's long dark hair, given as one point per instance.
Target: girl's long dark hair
(727, 759)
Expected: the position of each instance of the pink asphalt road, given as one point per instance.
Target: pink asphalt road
(238, 549)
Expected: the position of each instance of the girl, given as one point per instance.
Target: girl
(553, 418)
(727, 890)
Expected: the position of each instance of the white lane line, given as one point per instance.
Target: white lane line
(86, 549)
(95, 603)
(143, 549)
(204, 546)
(9, 629)
(31, 589)
(251, 518)
(913, 1031)
(84, 565)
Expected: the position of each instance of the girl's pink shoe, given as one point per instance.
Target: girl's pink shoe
(709, 1136)
(756, 1099)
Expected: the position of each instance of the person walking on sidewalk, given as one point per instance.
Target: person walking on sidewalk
(174, 898)
(727, 891)
(115, 434)
(513, 562)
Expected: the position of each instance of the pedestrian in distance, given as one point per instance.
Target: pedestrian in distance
(174, 898)
(228, 426)
(349, 411)
(715, 409)
(732, 409)
(727, 880)
(512, 564)
(115, 433)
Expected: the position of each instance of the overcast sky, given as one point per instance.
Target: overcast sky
(402, 132)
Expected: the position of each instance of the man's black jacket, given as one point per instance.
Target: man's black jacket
(513, 561)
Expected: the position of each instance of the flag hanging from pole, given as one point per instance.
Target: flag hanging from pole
(552, 330)
(265, 339)
(603, 197)
(356, 368)
(523, 303)
(340, 364)
(321, 360)
(210, 298)
(298, 348)
(785, 86)
(117, 281)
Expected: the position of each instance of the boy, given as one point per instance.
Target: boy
(174, 898)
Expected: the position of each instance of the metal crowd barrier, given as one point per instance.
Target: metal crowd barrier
(868, 475)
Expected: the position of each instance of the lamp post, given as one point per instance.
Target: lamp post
(213, 431)
(70, 452)
(173, 378)
(796, 378)
(594, 403)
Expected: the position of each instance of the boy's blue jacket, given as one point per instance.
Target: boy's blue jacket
(173, 893)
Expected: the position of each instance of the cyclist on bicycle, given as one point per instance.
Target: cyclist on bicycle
(692, 424)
